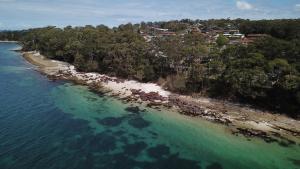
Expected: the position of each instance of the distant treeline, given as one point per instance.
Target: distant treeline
(280, 28)
(265, 73)
(283, 29)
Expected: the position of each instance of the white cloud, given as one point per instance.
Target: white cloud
(297, 7)
(243, 5)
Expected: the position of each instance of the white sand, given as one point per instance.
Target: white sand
(46, 65)
(112, 83)
(7, 41)
(126, 86)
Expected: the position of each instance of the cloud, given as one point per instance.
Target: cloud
(243, 5)
(297, 7)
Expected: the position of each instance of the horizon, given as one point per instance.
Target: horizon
(18, 15)
(111, 27)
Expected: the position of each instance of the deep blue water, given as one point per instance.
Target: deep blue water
(58, 125)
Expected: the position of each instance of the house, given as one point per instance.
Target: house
(167, 33)
(193, 29)
(156, 30)
(233, 34)
(250, 38)
(233, 31)
(146, 36)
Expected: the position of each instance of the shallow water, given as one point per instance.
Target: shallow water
(57, 125)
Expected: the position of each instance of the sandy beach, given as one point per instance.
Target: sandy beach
(49, 67)
(7, 41)
(240, 119)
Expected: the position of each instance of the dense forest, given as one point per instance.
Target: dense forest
(264, 73)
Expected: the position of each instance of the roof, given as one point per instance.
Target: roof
(167, 33)
(257, 35)
(159, 29)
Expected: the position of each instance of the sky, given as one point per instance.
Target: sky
(24, 14)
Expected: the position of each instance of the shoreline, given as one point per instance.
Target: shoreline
(241, 119)
(7, 41)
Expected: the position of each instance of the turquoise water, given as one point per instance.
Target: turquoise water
(58, 125)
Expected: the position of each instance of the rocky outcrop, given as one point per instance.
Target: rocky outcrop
(269, 138)
(151, 96)
(193, 109)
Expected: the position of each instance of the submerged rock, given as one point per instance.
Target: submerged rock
(135, 110)
(158, 151)
(296, 162)
(214, 166)
(139, 123)
(110, 121)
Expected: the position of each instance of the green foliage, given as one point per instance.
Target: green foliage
(121, 51)
(174, 25)
(246, 76)
(176, 83)
(268, 80)
(79, 62)
(11, 35)
(281, 28)
(222, 40)
(290, 82)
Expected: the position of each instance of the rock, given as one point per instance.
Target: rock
(256, 133)
(135, 110)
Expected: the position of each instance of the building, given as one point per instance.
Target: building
(233, 34)
(167, 33)
(156, 30)
(250, 38)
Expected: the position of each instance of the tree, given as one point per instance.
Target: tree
(278, 68)
(222, 40)
(79, 62)
(196, 77)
